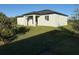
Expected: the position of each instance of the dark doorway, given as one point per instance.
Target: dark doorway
(37, 20)
(29, 18)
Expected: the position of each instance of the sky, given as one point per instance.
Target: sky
(12, 10)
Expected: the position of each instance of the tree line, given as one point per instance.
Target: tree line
(9, 29)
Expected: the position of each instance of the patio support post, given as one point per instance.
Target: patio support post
(34, 20)
(26, 20)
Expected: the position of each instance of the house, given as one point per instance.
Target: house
(43, 18)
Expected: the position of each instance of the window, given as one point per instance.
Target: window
(47, 18)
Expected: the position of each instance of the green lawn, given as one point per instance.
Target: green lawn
(35, 31)
(44, 40)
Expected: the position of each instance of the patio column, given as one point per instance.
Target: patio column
(26, 20)
(34, 20)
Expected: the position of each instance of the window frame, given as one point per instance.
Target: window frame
(47, 17)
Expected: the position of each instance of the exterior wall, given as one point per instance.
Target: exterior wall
(43, 22)
(22, 21)
(54, 20)
(59, 20)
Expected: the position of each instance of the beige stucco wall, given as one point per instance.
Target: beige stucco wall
(43, 22)
(59, 20)
(21, 21)
(54, 20)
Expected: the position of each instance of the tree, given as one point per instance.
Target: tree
(6, 28)
(75, 18)
(75, 15)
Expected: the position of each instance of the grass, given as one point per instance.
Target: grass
(35, 31)
(44, 40)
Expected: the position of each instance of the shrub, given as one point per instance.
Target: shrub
(7, 35)
(75, 24)
(21, 30)
(6, 28)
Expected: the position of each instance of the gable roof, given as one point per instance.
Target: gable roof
(44, 12)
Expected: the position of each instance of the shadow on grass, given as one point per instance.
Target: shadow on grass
(55, 42)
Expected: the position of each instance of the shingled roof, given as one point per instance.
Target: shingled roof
(44, 12)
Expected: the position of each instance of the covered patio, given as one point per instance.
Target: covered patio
(32, 20)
